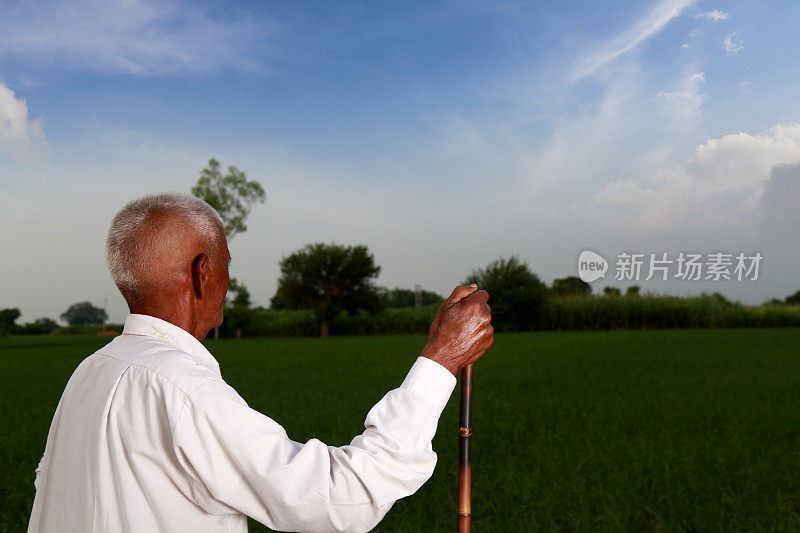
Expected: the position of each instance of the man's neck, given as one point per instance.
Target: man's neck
(187, 321)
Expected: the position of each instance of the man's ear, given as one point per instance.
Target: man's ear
(200, 271)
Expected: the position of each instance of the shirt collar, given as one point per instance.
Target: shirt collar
(171, 334)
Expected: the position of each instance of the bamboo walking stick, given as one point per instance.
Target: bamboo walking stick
(464, 441)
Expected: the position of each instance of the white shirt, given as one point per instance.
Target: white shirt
(149, 437)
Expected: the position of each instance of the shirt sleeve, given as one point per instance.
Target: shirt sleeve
(241, 460)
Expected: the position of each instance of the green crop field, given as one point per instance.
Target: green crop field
(624, 430)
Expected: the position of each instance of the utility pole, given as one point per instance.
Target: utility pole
(418, 296)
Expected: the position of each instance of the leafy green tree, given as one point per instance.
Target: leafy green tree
(793, 298)
(633, 290)
(9, 316)
(571, 286)
(398, 298)
(328, 278)
(84, 313)
(611, 291)
(232, 195)
(516, 294)
(8, 319)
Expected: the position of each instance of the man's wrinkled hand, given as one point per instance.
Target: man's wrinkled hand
(462, 330)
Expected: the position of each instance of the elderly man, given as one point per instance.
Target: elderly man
(149, 437)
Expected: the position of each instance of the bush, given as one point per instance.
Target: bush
(651, 311)
(303, 322)
(647, 311)
(388, 321)
(283, 323)
(40, 326)
(88, 329)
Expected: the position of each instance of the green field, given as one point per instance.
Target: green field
(624, 430)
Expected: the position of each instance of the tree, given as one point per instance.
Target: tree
(8, 319)
(328, 278)
(571, 286)
(398, 297)
(39, 326)
(516, 294)
(633, 290)
(611, 291)
(84, 313)
(232, 195)
(9, 316)
(794, 298)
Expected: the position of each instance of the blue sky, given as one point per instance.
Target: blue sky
(442, 135)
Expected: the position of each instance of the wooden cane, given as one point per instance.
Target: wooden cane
(464, 440)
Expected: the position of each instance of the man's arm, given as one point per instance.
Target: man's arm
(243, 461)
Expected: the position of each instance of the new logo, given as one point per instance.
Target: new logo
(591, 266)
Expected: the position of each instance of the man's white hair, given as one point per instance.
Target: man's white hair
(130, 247)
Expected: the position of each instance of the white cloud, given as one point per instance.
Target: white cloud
(732, 44)
(17, 133)
(715, 15)
(685, 45)
(140, 37)
(689, 89)
(652, 23)
(743, 161)
(720, 186)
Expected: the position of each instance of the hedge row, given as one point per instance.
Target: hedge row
(303, 323)
(564, 313)
(661, 312)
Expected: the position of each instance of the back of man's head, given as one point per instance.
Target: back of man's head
(146, 240)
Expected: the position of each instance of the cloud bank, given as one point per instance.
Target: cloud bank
(720, 187)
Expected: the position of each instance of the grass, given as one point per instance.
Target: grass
(665, 430)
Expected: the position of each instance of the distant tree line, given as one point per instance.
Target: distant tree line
(792, 299)
(314, 289)
(9, 326)
(79, 314)
(329, 288)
